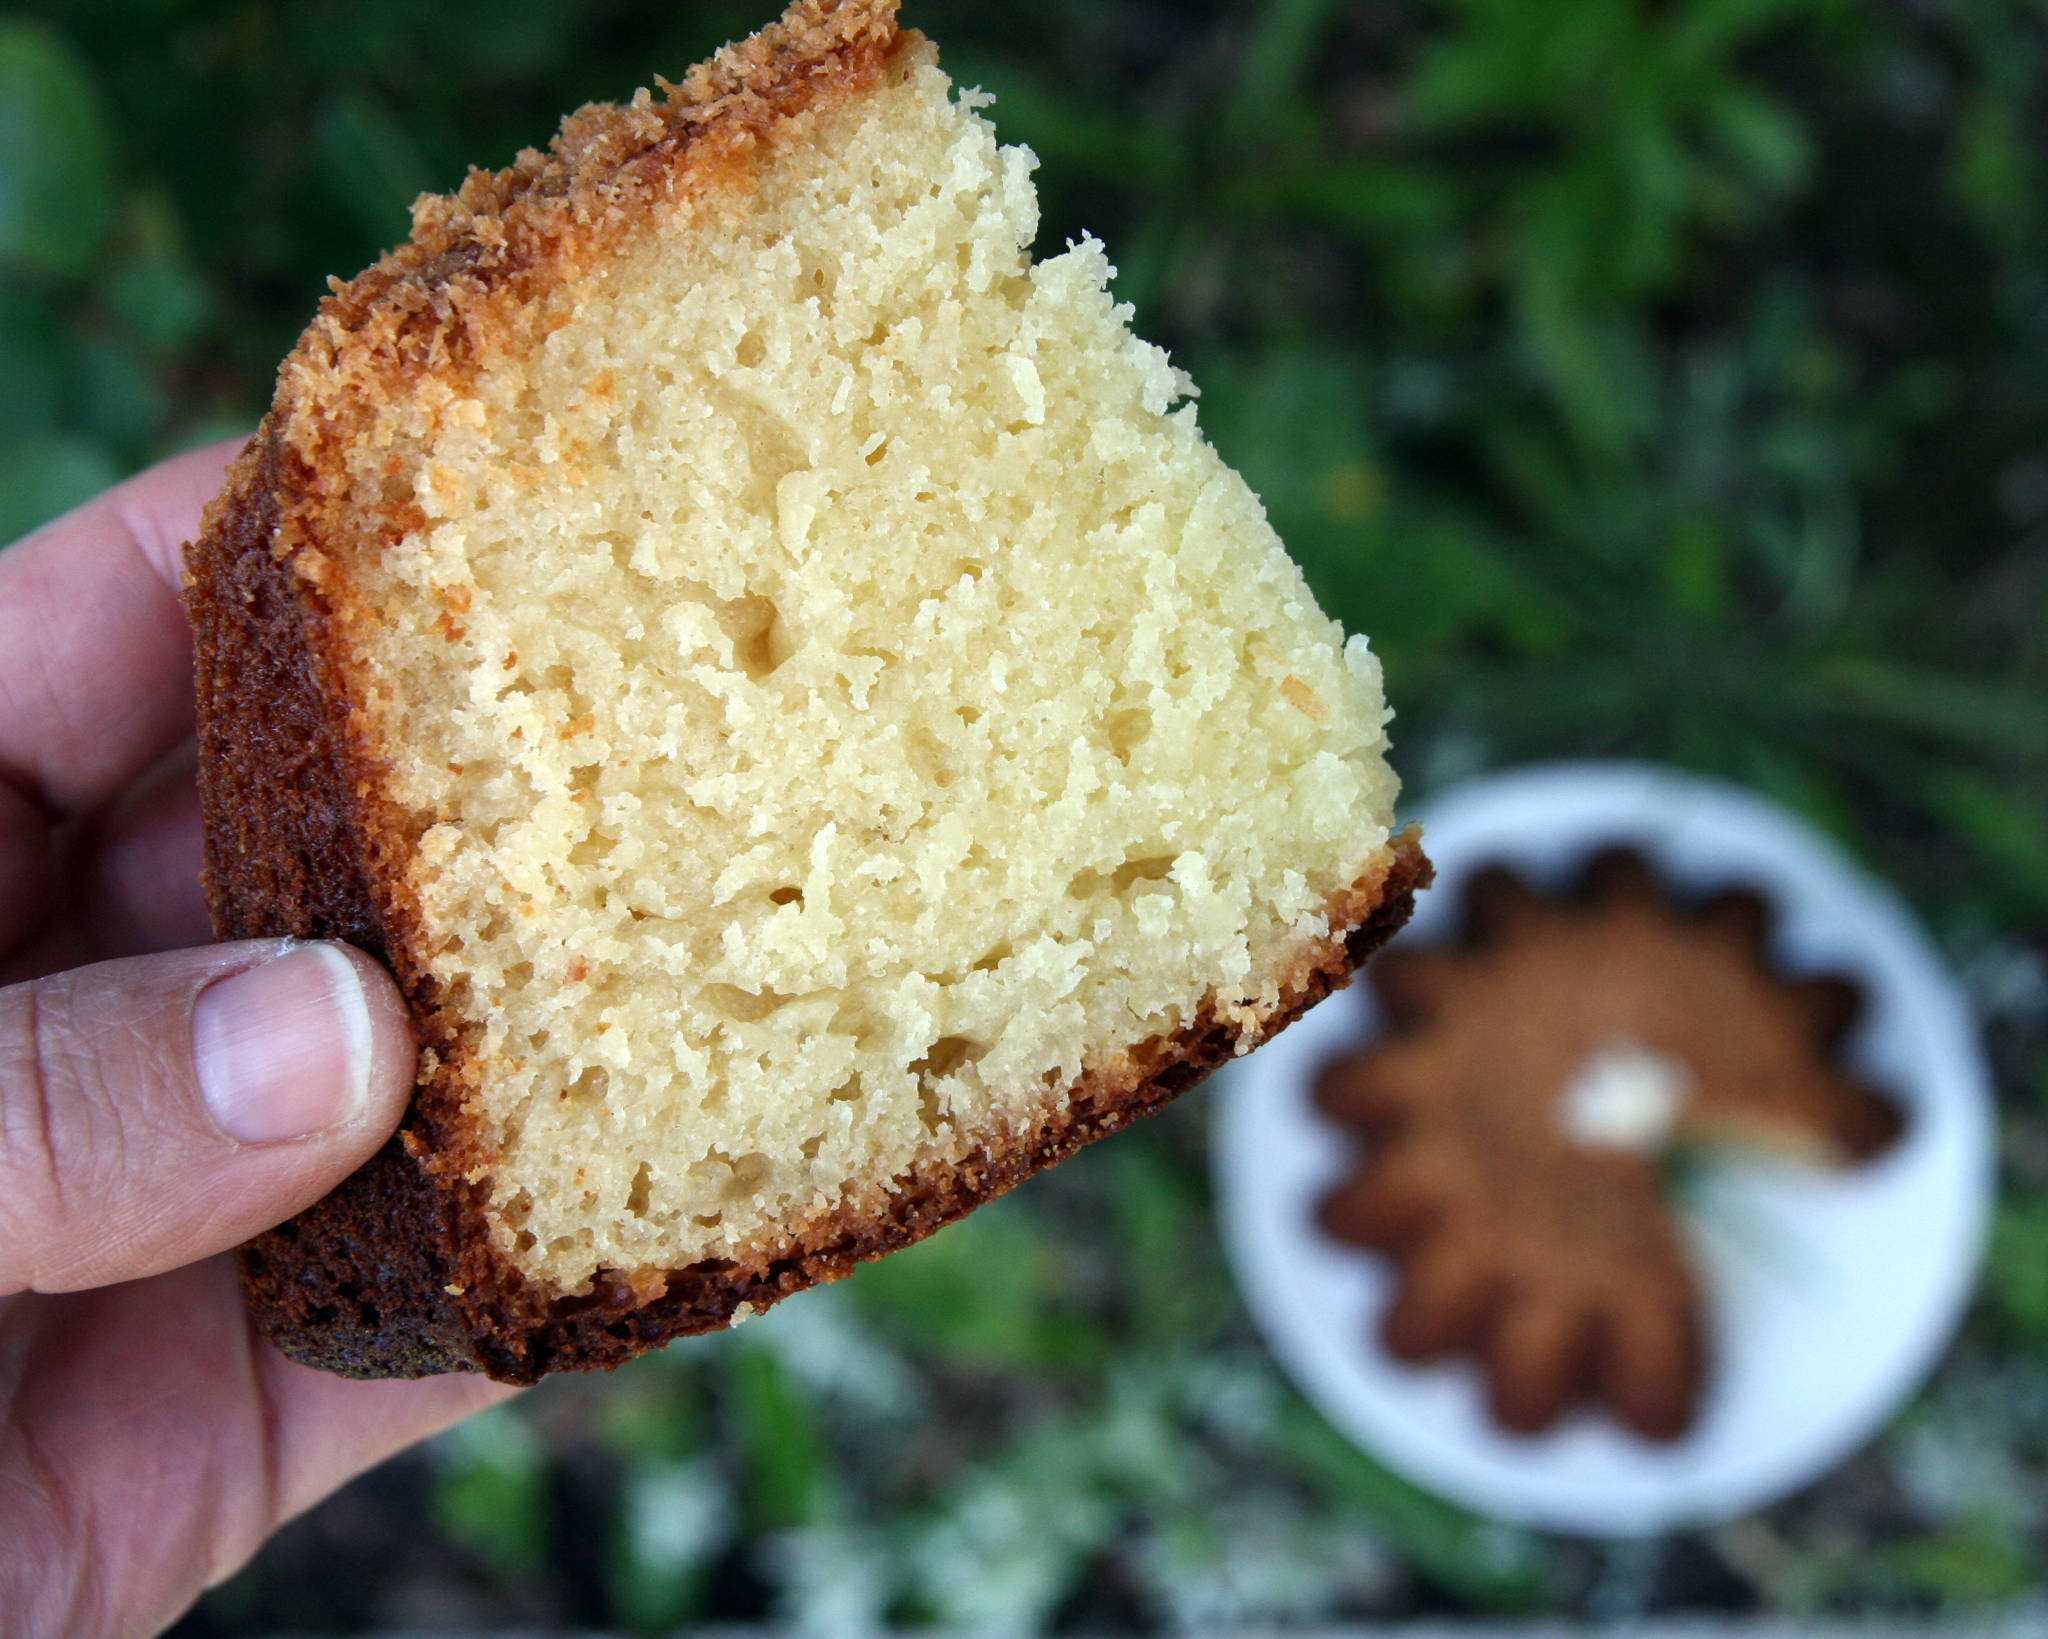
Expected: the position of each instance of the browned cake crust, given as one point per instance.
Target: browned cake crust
(394, 1274)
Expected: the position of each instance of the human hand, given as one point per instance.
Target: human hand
(157, 1106)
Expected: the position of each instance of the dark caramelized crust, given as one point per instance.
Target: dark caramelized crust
(365, 1283)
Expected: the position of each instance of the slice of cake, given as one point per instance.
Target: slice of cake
(813, 728)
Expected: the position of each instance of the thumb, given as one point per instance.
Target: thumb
(157, 1110)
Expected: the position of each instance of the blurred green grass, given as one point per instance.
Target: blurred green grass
(1666, 380)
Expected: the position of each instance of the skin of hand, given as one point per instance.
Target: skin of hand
(161, 1100)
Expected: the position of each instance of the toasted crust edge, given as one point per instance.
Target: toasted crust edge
(393, 1276)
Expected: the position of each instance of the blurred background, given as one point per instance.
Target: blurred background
(1665, 378)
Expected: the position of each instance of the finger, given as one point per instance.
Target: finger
(328, 1429)
(129, 887)
(31, 875)
(152, 1442)
(95, 658)
(162, 1108)
(136, 876)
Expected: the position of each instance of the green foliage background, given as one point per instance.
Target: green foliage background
(1664, 379)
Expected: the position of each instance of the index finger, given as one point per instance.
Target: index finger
(95, 656)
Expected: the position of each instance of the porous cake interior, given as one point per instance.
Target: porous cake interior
(840, 698)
